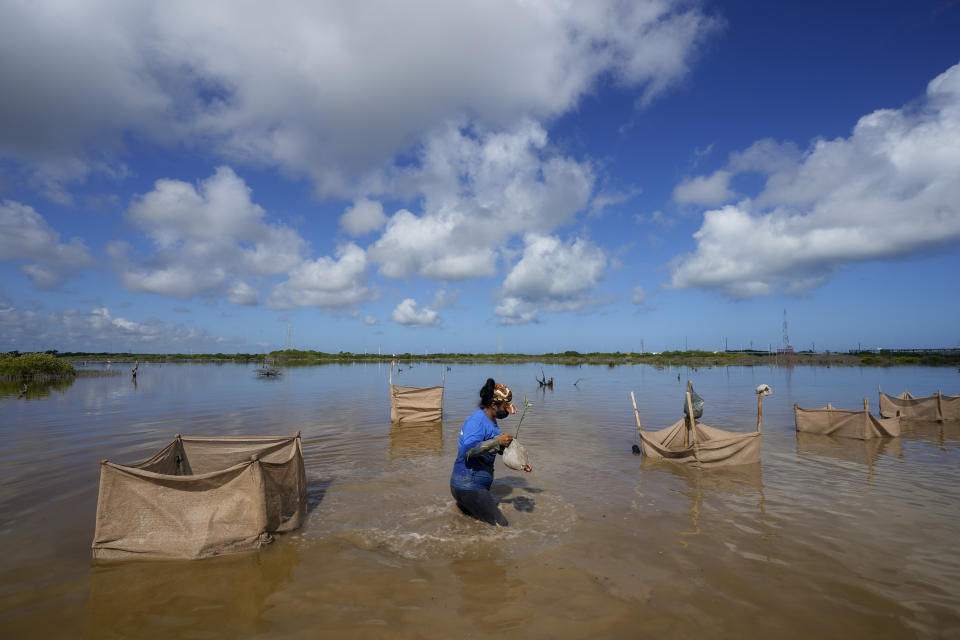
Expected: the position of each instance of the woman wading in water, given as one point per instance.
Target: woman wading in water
(480, 442)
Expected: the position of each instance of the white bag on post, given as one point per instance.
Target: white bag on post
(515, 456)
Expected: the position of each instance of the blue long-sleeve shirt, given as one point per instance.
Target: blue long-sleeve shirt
(475, 472)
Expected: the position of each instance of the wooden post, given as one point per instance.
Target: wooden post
(691, 433)
(866, 418)
(759, 411)
(636, 414)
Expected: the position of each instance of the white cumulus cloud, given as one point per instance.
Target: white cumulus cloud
(97, 329)
(208, 238)
(212, 239)
(327, 89)
(479, 189)
(363, 217)
(408, 314)
(25, 235)
(887, 191)
(704, 190)
(551, 275)
(331, 283)
(240, 292)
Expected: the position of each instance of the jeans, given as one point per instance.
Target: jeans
(479, 504)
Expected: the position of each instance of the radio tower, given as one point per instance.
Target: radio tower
(289, 344)
(786, 338)
(786, 349)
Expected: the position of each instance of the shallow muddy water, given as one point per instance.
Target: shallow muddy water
(824, 538)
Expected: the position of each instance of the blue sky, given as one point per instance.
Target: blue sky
(463, 177)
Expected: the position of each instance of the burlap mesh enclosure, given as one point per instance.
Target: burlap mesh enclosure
(416, 405)
(706, 446)
(845, 423)
(200, 497)
(936, 407)
(691, 442)
(410, 405)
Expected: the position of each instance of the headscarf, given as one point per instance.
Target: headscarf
(502, 393)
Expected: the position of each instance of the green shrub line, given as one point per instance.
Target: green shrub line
(15, 365)
(34, 366)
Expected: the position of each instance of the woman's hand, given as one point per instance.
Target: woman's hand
(504, 439)
(527, 467)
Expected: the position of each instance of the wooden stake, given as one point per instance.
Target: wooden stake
(636, 414)
(691, 432)
(759, 411)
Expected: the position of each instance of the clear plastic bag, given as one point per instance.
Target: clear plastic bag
(697, 403)
(515, 456)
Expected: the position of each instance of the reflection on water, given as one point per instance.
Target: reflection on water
(224, 597)
(863, 452)
(412, 439)
(33, 389)
(941, 433)
(601, 543)
(742, 484)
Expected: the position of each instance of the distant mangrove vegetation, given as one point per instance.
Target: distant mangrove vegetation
(15, 366)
